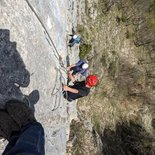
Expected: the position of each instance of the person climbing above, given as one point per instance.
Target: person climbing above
(75, 39)
(81, 67)
(79, 89)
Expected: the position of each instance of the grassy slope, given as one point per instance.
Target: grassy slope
(124, 60)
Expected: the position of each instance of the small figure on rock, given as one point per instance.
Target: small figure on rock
(79, 89)
(75, 39)
(81, 67)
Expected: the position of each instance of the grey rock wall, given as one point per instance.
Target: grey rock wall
(38, 32)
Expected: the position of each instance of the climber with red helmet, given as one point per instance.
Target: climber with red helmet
(81, 67)
(79, 89)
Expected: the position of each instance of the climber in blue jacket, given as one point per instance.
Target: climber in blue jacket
(75, 39)
(81, 67)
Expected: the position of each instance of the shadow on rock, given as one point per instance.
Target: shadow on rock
(128, 139)
(13, 72)
(32, 99)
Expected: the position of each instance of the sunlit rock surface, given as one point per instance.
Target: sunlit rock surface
(39, 30)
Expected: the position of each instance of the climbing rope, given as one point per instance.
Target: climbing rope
(56, 53)
(59, 90)
(51, 43)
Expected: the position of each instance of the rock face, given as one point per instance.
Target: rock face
(34, 56)
(122, 55)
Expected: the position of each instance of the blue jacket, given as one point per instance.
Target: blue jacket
(79, 68)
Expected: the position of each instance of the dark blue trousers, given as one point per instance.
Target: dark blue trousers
(29, 142)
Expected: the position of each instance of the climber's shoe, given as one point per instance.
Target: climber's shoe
(20, 112)
(7, 125)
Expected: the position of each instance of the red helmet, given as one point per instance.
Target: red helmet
(92, 80)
